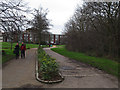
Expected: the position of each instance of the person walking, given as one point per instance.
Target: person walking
(16, 51)
(49, 44)
(23, 48)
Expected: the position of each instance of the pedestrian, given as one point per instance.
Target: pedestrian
(23, 48)
(49, 44)
(16, 51)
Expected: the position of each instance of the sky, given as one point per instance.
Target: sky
(59, 13)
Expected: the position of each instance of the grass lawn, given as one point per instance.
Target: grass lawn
(7, 45)
(104, 64)
(9, 53)
(44, 46)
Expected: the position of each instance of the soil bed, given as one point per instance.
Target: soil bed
(57, 77)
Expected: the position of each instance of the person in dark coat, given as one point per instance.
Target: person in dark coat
(17, 51)
(23, 48)
(49, 44)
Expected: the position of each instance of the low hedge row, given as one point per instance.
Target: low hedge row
(48, 67)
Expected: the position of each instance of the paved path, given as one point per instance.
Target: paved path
(21, 74)
(79, 75)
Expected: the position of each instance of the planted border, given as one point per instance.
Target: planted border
(47, 69)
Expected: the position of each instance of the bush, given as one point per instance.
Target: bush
(48, 66)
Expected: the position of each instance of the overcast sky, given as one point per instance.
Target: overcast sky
(59, 11)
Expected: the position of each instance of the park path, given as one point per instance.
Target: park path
(79, 75)
(21, 74)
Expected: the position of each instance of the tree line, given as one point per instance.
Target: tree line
(14, 19)
(95, 29)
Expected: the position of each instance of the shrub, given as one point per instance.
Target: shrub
(48, 66)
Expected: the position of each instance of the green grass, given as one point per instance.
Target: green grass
(8, 55)
(44, 46)
(6, 46)
(104, 64)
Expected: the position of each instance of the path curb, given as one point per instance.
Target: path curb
(44, 81)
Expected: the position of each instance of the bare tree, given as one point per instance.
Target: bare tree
(12, 18)
(94, 28)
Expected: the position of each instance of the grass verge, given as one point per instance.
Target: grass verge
(8, 55)
(7, 45)
(104, 64)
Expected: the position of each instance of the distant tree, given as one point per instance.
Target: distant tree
(40, 22)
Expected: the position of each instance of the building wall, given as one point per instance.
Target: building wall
(30, 37)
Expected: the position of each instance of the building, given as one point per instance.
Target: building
(30, 36)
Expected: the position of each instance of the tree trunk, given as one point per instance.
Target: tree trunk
(11, 44)
(118, 33)
(39, 44)
(39, 39)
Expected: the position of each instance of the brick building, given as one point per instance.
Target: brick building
(30, 36)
